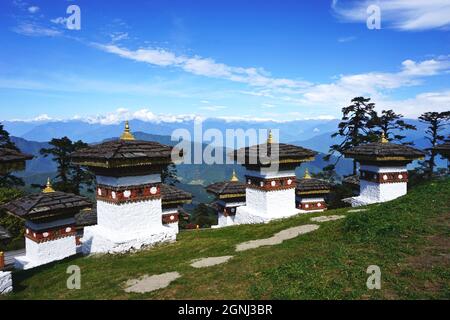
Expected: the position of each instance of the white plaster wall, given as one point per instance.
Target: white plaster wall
(383, 169)
(173, 226)
(271, 204)
(129, 181)
(307, 200)
(230, 204)
(97, 239)
(224, 221)
(371, 192)
(45, 252)
(244, 215)
(6, 285)
(270, 174)
(132, 217)
(170, 211)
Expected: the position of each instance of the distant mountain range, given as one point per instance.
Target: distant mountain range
(94, 132)
(31, 137)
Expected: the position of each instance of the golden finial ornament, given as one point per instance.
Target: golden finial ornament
(270, 137)
(383, 138)
(234, 177)
(307, 175)
(127, 135)
(48, 188)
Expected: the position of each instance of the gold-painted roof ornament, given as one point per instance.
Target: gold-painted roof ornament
(307, 175)
(127, 135)
(270, 137)
(383, 138)
(234, 177)
(48, 188)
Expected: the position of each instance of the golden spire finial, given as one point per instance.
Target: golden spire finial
(127, 135)
(48, 188)
(270, 137)
(307, 175)
(234, 177)
(383, 138)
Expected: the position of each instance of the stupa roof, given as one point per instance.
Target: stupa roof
(125, 152)
(4, 234)
(47, 204)
(173, 195)
(443, 149)
(11, 160)
(227, 189)
(272, 152)
(86, 218)
(384, 151)
(352, 180)
(309, 185)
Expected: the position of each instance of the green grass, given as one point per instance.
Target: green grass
(407, 238)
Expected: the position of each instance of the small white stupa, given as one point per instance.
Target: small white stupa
(129, 206)
(383, 173)
(270, 180)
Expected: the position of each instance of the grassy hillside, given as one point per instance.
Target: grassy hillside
(407, 238)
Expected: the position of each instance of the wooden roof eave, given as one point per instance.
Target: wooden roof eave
(313, 192)
(384, 158)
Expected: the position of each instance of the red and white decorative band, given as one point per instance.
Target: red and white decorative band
(320, 205)
(50, 235)
(128, 194)
(271, 184)
(170, 218)
(384, 177)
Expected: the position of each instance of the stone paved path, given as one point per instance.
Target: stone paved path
(277, 238)
(156, 282)
(211, 261)
(327, 218)
(152, 283)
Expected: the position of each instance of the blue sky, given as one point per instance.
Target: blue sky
(173, 60)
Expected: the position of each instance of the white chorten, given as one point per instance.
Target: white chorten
(383, 173)
(270, 180)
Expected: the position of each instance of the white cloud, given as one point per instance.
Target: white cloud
(146, 115)
(268, 105)
(346, 39)
(438, 101)
(399, 14)
(373, 84)
(118, 36)
(33, 9)
(213, 108)
(59, 20)
(35, 30)
(203, 67)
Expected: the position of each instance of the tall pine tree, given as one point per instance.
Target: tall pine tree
(8, 180)
(355, 129)
(391, 124)
(436, 121)
(70, 177)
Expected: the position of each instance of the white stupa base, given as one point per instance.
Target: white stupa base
(6, 285)
(377, 193)
(38, 254)
(224, 221)
(247, 215)
(174, 226)
(98, 239)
